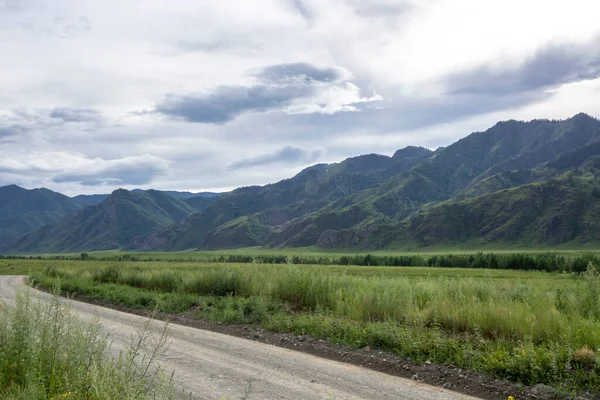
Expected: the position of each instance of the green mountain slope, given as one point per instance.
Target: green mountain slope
(550, 212)
(201, 197)
(84, 200)
(279, 203)
(506, 155)
(111, 224)
(517, 183)
(22, 210)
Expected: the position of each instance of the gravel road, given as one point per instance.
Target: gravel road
(216, 366)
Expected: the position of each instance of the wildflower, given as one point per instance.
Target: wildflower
(511, 398)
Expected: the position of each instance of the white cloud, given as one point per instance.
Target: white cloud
(101, 67)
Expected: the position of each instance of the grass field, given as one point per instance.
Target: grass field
(207, 255)
(526, 326)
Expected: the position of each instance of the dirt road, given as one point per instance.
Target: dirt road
(216, 366)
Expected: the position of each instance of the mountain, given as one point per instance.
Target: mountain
(549, 212)
(186, 195)
(368, 201)
(22, 210)
(111, 224)
(517, 183)
(278, 203)
(84, 200)
(91, 199)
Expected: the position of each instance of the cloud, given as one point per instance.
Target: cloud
(136, 170)
(302, 8)
(385, 9)
(297, 88)
(287, 155)
(228, 102)
(12, 130)
(12, 4)
(237, 91)
(71, 28)
(549, 67)
(299, 72)
(67, 114)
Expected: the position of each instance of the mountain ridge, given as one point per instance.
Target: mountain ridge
(507, 184)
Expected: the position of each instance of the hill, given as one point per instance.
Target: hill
(22, 210)
(91, 199)
(516, 183)
(246, 215)
(114, 222)
(369, 208)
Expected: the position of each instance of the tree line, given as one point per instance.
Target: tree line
(550, 262)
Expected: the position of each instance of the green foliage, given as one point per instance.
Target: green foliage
(525, 326)
(48, 354)
(247, 216)
(554, 211)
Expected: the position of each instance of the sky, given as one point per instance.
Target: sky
(205, 95)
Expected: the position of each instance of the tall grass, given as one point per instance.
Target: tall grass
(47, 353)
(526, 326)
(497, 308)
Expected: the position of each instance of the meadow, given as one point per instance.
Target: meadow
(525, 326)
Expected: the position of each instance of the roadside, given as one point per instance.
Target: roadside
(455, 379)
(212, 365)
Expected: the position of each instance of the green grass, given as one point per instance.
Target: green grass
(48, 354)
(520, 325)
(567, 250)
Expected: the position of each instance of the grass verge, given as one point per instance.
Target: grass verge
(47, 353)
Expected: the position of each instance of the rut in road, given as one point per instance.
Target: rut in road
(215, 366)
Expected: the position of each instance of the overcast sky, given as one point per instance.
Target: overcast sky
(207, 95)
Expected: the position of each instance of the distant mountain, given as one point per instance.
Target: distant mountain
(84, 200)
(249, 214)
(185, 195)
(520, 183)
(114, 222)
(91, 199)
(371, 208)
(199, 203)
(22, 210)
(507, 155)
(548, 212)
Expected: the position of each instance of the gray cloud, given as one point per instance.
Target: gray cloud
(12, 130)
(302, 8)
(128, 171)
(278, 86)
(385, 9)
(298, 72)
(13, 4)
(549, 67)
(67, 114)
(227, 102)
(372, 9)
(288, 155)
